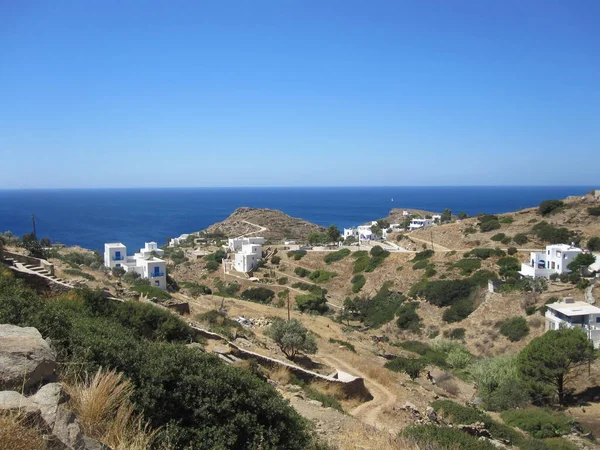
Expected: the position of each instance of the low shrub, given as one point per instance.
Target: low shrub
(195, 289)
(425, 254)
(498, 237)
(484, 253)
(312, 302)
(594, 211)
(511, 251)
(520, 239)
(457, 333)
(336, 256)
(539, 423)
(302, 272)
(321, 276)
(467, 266)
(488, 222)
(411, 366)
(422, 264)
(275, 259)
(80, 273)
(515, 328)
(282, 281)
(346, 344)
(593, 244)
(443, 438)
(552, 234)
(408, 319)
(506, 220)
(358, 281)
(258, 294)
(151, 291)
(296, 254)
(459, 310)
(547, 207)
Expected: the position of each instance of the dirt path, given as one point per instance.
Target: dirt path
(436, 247)
(260, 229)
(367, 412)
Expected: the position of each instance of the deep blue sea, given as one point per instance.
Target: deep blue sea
(91, 217)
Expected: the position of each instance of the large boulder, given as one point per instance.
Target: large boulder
(26, 359)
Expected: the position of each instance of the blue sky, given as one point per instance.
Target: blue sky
(292, 93)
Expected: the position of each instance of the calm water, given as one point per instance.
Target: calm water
(91, 217)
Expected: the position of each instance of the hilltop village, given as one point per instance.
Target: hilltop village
(418, 330)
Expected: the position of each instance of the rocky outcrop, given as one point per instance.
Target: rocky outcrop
(26, 359)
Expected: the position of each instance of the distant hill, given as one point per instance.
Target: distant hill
(272, 224)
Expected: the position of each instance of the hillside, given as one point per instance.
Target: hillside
(272, 224)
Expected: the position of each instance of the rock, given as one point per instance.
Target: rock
(13, 401)
(477, 429)
(315, 403)
(93, 444)
(47, 400)
(67, 429)
(25, 358)
(221, 350)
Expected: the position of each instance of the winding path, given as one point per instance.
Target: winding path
(260, 230)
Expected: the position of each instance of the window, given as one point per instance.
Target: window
(117, 265)
(598, 319)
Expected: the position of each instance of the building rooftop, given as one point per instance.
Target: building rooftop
(574, 308)
(565, 247)
(114, 244)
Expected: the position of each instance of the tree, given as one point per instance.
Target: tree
(462, 215)
(446, 215)
(333, 233)
(291, 337)
(593, 244)
(317, 238)
(582, 260)
(554, 358)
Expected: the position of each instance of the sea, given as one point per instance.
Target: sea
(91, 217)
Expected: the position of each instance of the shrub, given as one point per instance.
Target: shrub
(411, 366)
(336, 256)
(443, 438)
(301, 272)
(507, 220)
(539, 423)
(358, 281)
(368, 264)
(312, 302)
(593, 244)
(152, 291)
(378, 310)
(520, 239)
(80, 273)
(258, 294)
(467, 266)
(559, 444)
(484, 253)
(488, 222)
(296, 254)
(515, 328)
(551, 234)
(321, 276)
(442, 292)
(346, 344)
(425, 254)
(291, 337)
(422, 264)
(549, 206)
(498, 383)
(275, 259)
(457, 333)
(458, 357)
(594, 211)
(512, 251)
(408, 319)
(282, 281)
(227, 289)
(459, 310)
(498, 237)
(317, 290)
(211, 266)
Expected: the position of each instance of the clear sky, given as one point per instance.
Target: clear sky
(286, 93)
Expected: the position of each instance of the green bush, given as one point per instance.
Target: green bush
(467, 266)
(151, 291)
(515, 328)
(296, 254)
(499, 384)
(459, 311)
(258, 294)
(498, 237)
(457, 333)
(313, 288)
(227, 289)
(539, 423)
(488, 222)
(484, 253)
(512, 251)
(425, 254)
(282, 281)
(411, 366)
(520, 239)
(408, 319)
(275, 259)
(549, 206)
(220, 324)
(151, 323)
(443, 438)
(378, 310)
(593, 244)
(312, 303)
(422, 264)
(211, 266)
(506, 220)
(594, 211)
(429, 355)
(80, 273)
(321, 276)
(302, 272)
(336, 256)
(553, 235)
(364, 263)
(358, 281)
(442, 292)
(559, 444)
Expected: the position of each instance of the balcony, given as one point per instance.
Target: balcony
(156, 274)
(118, 258)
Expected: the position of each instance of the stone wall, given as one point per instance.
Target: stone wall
(40, 283)
(30, 260)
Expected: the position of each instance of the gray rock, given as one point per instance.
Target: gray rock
(25, 358)
(67, 429)
(13, 401)
(47, 400)
(93, 444)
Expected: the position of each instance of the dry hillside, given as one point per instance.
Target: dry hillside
(274, 225)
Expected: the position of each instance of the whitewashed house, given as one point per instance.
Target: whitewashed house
(570, 314)
(146, 262)
(555, 259)
(236, 244)
(246, 258)
(415, 224)
(178, 240)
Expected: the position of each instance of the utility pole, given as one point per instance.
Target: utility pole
(33, 222)
(288, 302)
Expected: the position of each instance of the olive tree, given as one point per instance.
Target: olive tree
(292, 337)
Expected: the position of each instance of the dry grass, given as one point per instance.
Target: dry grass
(372, 370)
(359, 436)
(334, 390)
(281, 374)
(17, 433)
(102, 404)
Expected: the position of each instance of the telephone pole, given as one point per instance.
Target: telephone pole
(288, 302)
(33, 222)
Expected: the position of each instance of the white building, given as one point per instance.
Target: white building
(246, 258)
(555, 259)
(145, 262)
(570, 314)
(236, 244)
(178, 240)
(415, 224)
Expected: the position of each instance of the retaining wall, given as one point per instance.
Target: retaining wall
(30, 260)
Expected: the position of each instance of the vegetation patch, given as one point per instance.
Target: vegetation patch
(515, 328)
(506, 220)
(151, 291)
(488, 222)
(296, 254)
(219, 323)
(302, 272)
(484, 253)
(259, 295)
(539, 423)
(594, 211)
(336, 256)
(498, 237)
(321, 276)
(548, 207)
(376, 311)
(422, 264)
(346, 344)
(227, 289)
(195, 289)
(314, 302)
(520, 239)
(425, 254)
(467, 265)
(444, 438)
(80, 273)
(408, 318)
(411, 366)
(365, 263)
(553, 235)
(358, 281)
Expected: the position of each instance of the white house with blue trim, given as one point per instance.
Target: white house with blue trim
(555, 259)
(146, 262)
